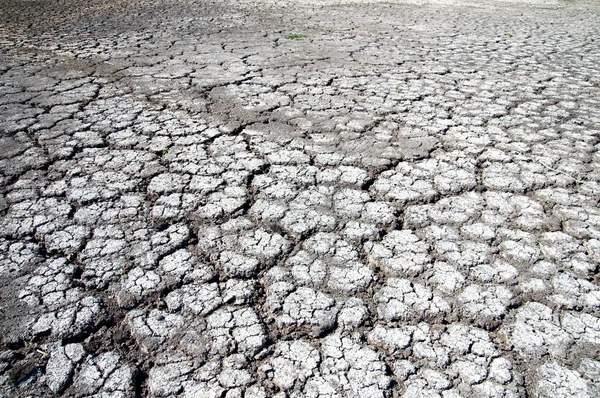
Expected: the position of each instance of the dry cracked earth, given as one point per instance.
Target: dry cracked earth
(299, 198)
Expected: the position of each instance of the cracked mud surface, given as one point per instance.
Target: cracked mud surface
(299, 199)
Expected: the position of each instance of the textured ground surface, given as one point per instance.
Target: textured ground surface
(299, 199)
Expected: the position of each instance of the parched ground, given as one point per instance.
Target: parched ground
(299, 198)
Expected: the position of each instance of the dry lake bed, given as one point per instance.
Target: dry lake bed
(251, 199)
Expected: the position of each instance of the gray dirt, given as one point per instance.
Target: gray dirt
(299, 198)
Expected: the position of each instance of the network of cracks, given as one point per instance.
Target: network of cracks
(300, 199)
